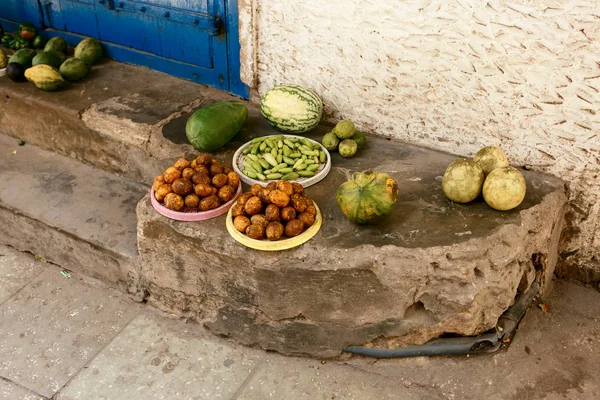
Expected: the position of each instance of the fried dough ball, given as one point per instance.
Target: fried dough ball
(254, 189)
(171, 174)
(209, 203)
(227, 170)
(244, 197)
(226, 193)
(191, 200)
(237, 210)
(215, 168)
(298, 188)
(193, 164)
(182, 186)
(241, 223)
(158, 182)
(255, 231)
(286, 187)
(259, 219)
(272, 212)
(253, 206)
(311, 210)
(201, 169)
(174, 202)
(233, 179)
(182, 163)
(294, 228)
(263, 195)
(299, 203)
(288, 213)
(272, 185)
(279, 198)
(162, 192)
(219, 180)
(201, 179)
(309, 201)
(274, 230)
(306, 219)
(187, 173)
(204, 159)
(204, 190)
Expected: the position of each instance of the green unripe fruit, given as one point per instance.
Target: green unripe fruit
(344, 129)
(56, 44)
(330, 141)
(89, 50)
(359, 138)
(462, 180)
(504, 188)
(490, 158)
(348, 148)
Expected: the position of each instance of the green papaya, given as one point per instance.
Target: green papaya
(23, 57)
(56, 44)
(74, 69)
(212, 126)
(50, 57)
(89, 50)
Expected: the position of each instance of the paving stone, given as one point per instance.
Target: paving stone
(162, 358)
(54, 326)
(16, 270)
(11, 391)
(290, 379)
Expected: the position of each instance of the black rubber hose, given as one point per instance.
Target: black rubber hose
(487, 342)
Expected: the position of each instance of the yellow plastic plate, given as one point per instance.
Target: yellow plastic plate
(268, 245)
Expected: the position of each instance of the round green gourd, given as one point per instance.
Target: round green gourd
(214, 125)
(367, 197)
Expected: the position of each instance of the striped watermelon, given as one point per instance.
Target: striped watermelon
(292, 108)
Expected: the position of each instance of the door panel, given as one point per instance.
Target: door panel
(179, 30)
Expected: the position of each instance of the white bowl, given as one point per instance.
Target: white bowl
(320, 174)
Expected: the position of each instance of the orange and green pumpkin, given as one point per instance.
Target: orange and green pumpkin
(367, 197)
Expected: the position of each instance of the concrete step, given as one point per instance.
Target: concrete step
(113, 119)
(69, 213)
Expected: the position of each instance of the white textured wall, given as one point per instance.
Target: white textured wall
(455, 75)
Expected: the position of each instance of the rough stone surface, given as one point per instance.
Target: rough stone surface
(280, 378)
(553, 355)
(452, 75)
(69, 213)
(432, 267)
(161, 358)
(15, 272)
(54, 326)
(12, 391)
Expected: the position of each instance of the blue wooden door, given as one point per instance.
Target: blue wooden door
(187, 38)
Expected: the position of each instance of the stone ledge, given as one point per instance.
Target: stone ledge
(433, 267)
(112, 119)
